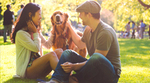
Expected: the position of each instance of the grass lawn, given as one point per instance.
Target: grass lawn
(135, 61)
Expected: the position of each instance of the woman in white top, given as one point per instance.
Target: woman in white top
(28, 41)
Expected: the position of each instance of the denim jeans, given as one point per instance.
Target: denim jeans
(98, 69)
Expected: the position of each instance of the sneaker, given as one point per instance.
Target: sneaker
(16, 76)
(51, 81)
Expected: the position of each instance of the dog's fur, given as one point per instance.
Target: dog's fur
(62, 35)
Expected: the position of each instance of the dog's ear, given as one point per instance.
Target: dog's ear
(52, 20)
(66, 16)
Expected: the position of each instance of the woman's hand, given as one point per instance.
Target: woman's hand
(31, 26)
(39, 28)
(52, 30)
(67, 67)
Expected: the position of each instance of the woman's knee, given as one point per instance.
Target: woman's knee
(52, 54)
(58, 52)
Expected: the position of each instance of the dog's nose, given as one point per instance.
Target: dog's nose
(57, 18)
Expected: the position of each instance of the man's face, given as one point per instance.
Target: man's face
(83, 16)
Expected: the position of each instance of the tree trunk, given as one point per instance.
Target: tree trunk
(143, 4)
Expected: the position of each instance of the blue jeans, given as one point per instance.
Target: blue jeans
(98, 69)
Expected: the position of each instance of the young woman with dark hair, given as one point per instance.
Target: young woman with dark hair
(28, 41)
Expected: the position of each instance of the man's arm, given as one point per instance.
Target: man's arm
(76, 38)
(101, 52)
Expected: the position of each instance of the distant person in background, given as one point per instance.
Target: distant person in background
(7, 22)
(18, 13)
(149, 32)
(121, 35)
(142, 29)
(80, 27)
(13, 16)
(133, 30)
(138, 30)
(128, 29)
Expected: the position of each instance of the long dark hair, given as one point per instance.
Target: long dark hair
(24, 17)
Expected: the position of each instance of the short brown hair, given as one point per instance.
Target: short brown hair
(95, 15)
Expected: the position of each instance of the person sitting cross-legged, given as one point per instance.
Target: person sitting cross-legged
(104, 64)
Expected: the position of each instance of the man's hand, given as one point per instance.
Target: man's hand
(68, 24)
(67, 67)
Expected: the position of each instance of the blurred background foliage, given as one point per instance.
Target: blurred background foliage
(116, 13)
(127, 10)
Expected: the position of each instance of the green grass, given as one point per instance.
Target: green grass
(135, 61)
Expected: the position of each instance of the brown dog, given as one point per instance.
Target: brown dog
(62, 36)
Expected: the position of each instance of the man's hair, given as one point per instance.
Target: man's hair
(22, 6)
(8, 6)
(95, 15)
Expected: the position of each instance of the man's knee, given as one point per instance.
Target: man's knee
(98, 57)
(66, 53)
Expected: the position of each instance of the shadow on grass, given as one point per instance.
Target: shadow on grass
(135, 52)
(19, 80)
(6, 43)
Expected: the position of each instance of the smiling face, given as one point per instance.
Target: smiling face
(58, 18)
(37, 18)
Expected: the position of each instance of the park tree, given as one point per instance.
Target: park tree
(15, 6)
(127, 10)
(48, 7)
(144, 4)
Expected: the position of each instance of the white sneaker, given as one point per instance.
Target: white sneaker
(51, 81)
(16, 76)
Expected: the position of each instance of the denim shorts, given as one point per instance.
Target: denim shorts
(33, 56)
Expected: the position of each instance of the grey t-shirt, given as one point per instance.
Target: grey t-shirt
(103, 38)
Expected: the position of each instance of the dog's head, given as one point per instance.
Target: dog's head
(58, 18)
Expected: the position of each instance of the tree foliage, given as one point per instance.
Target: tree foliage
(48, 7)
(127, 10)
(120, 11)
